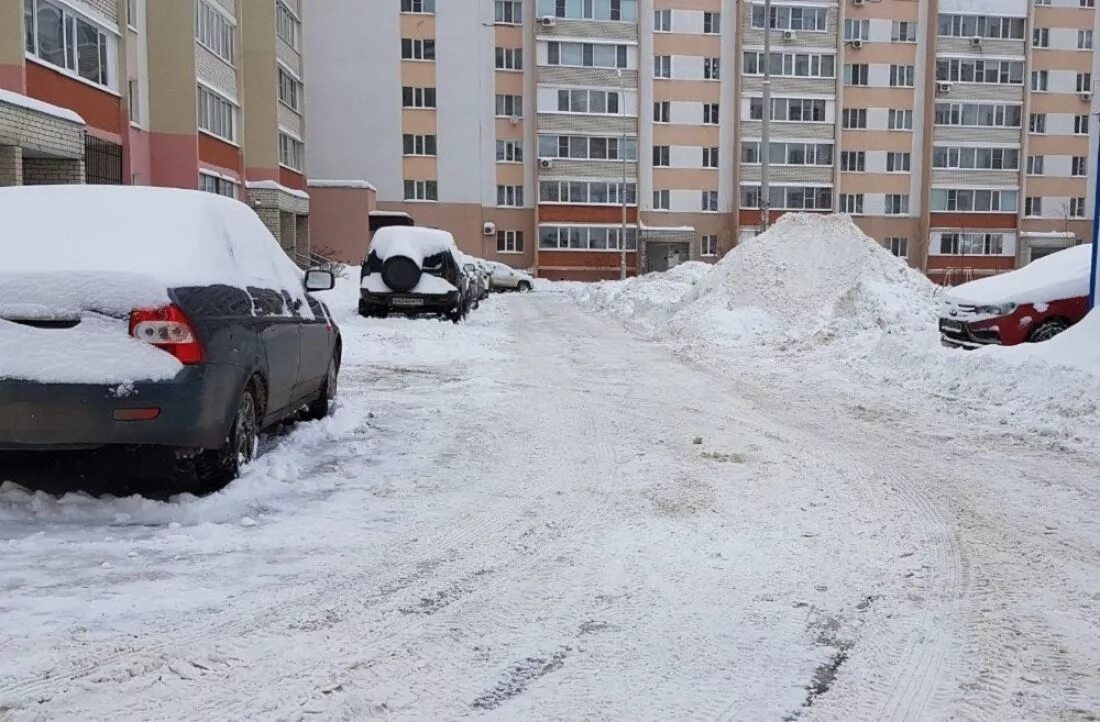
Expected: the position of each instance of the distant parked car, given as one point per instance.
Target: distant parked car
(506, 278)
(413, 271)
(1030, 304)
(168, 320)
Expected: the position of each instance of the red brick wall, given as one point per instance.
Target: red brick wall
(100, 109)
(219, 153)
(586, 214)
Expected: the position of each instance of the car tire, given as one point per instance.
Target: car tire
(321, 407)
(523, 287)
(1047, 330)
(214, 468)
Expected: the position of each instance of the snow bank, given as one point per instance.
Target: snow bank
(643, 301)
(1064, 274)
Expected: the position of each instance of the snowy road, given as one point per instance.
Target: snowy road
(509, 520)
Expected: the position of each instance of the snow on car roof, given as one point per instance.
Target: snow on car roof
(1060, 275)
(413, 242)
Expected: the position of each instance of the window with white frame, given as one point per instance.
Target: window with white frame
(856, 73)
(853, 118)
(662, 200)
(979, 70)
(133, 96)
(1040, 80)
(708, 246)
(899, 119)
(587, 193)
(662, 66)
(413, 144)
(1040, 38)
(217, 114)
(416, 97)
(586, 55)
(981, 26)
(793, 65)
(426, 7)
(421, 190)
(1084, 40)
(1037, 123)
(589, 101)
(583, 147)
(287, 24)
(857, 29)
(799, 110)
(788, 153)
(662, 111)
(509, 106)
(979, 115)
(897, 204)
(510, 196)
(1084, 82)
(508, 12)
(70, 41)
(851, 203)
(903, 31)
(711, 69)
(1033, 206)
(710, 157)
(417, 49)
(662, 21)
(215, 31)
(712, 23)
(898, 246)
(661, 156)
(510, 151)
(509, 241)
(853, 161)
(902, 76)
(791, 17)
(218, 185)
(972, 244)
(1080, 125)
(709, 201)
(292, 152)
(509, 59)
(789, 198)
(614, 10)
(899, 162)
(974, 158)
(290, 89)
(1035, 164)
(587, 238)
(1079, 166)
(1076, 207)
(710, 113)
(969, 200)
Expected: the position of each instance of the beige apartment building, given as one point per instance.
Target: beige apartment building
(203, 94)
(957, 133)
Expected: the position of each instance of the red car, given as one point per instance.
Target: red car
(1028, 305)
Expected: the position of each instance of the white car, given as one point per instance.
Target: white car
(506, 278)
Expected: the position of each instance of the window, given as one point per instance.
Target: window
(972, 244)
(789, 153)
(1079, 165)
(981, 26)
(902, 76)
(217, 184)
(427, 190)
(855, 73)
(710, 68)
(978, 70)
(588, 101)
(292, 152)
(1037, 123)
(971, 158)
(620, 10)
(903, 31)
(588, 147)
(899, 162)
(587, 238)
(217, 115)
(509, 241)
(789, 109)
(413, 97)
(661, 201)
(587, 193)
(508, 12)
(585, 55)
(509, 106)
(290, 89)
(289, 26)
(712, 23)
(1040, 80)
(662, 111)
(710, 113)
(1040, 38)
(791, 198)
(856, 30)
(511, 196)
(661, 156)
(795, 65)
(1076, 207)
(1033, 206)
(854, 118)
(131, 12)
(710, 201)
(898, 246)
(662, 21)
(710, 157)
(989, 115)
(417, 49)
(59, 37)
(708, 245)
(1080, 125)
(899, 119)
(791, 18)
(1084, 82)
(419, 144)
(1035, 164)
(510, 151)
(214, 30)
(897, 204)
(851, 203)
(509, 59)
(1042, 2)
(134, 100)
(966, 200)
(1088, 3)
(1084, 39)
(662, 66)
(853, 161)
(418, 6)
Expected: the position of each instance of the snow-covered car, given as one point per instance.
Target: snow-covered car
(413, 271)
(158, 318)
(1028, 305)
(506, 278)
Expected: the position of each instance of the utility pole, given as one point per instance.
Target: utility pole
(622, 188)
(765, 128)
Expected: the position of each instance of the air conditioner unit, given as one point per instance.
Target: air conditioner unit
(790, 35)
(515, 120)
(489, 229)
(859, 2)
(943, 88)
(857, 44)
(1085, 96)
(546, 163)
(548, 21)
(975, 41)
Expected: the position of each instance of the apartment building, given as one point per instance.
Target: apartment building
(552, 133)
(187, 93)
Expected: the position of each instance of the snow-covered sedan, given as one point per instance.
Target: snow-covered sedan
(163, 319)
(1028, 305)
(413, 271)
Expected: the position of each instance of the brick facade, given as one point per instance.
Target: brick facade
(37, 131)
(286, 215)
(11, 165)
(52, 171)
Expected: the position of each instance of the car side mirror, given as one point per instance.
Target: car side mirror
(318, 280)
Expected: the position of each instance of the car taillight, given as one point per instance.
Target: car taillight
(167, 328)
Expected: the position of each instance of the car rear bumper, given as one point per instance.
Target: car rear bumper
(960, 334)
(195, 411)
(410, 302)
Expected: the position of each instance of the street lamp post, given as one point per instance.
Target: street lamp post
(622, 188)
(765, 127)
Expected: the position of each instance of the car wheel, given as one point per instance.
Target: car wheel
(217, 467)
(523, 287)
(321, 407)
(1048, 330)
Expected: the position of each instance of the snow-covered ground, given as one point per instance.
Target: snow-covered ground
(511, 519)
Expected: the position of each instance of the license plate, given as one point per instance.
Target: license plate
(407, 301)
(953, 326)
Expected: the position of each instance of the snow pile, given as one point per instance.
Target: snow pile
(412, 242)
(644, 301)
